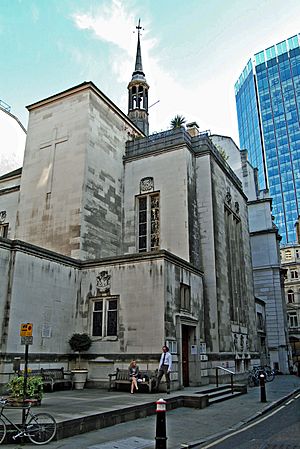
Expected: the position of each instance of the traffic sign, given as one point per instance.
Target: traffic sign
(26, 330)
(26, 340)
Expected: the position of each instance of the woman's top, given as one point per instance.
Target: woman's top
(134, 371)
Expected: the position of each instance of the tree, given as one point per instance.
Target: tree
(177, 121)
(79, 343)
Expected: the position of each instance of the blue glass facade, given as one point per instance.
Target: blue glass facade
(268, 110)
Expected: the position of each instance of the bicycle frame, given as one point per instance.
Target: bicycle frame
(22, 429)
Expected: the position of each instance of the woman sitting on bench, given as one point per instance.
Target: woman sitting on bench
(133, 374)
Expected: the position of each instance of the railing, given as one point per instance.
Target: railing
(227, 371)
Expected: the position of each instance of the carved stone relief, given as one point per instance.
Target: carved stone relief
(103, 282)
(147, 185)
(2, 216)
(228, 197)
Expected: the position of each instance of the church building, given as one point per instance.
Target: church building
(137, 240)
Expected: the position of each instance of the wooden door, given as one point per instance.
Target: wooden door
(185, 356)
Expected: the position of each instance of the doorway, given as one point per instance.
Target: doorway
(185, 355)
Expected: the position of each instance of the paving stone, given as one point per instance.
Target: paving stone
(126, 443)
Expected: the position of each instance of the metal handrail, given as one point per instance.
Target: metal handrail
(228, 371)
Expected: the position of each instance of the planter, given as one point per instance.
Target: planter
(18, 402)
(79, 378)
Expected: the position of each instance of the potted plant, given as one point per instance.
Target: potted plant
(34, 389)
(80, 343)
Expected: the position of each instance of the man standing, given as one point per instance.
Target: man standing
(164, 368)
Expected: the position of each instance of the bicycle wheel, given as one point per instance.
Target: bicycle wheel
(251, 380)
(269, 372)
(41, 428)
(2, 430)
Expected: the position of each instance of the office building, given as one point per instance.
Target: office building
(268, 109)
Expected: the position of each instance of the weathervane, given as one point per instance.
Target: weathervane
(138, 27)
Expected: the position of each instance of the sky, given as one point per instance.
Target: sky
(193, 52)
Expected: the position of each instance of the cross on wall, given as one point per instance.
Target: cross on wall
(52, 145)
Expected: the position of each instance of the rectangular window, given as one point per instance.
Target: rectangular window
(4, 230)
(105, 318)
(112, 317)
(293, 320)
(172, 345)
(294, 274)
(148, 223)
(185, 297)
(260, 321)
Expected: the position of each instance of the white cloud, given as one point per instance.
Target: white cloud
(111, 24)
(197, 102)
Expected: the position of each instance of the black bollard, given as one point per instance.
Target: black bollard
(262, 388)
(161, 438)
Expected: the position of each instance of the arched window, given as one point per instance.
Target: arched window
(290, 296)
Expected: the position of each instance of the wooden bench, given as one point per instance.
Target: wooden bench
(121, 377)
(53, 376)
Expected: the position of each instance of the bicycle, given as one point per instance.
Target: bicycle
(253, 380)
(269, 373)
(253, 376)
(40, 428)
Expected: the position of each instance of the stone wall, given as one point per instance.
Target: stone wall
(70, 199)
(56, 294)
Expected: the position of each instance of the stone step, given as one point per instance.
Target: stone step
(223, 397)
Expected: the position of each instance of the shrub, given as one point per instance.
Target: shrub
(34, 387)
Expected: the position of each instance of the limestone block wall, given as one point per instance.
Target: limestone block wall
(103, 182)
(70, 200)
(36, 287)
(49, 213)
(169, 173)
(56, 294)
(213, 184)
(207, 248)
(138, 287)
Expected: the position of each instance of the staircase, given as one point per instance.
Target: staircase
(224, 392)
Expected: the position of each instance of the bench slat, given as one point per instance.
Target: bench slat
(52, 376)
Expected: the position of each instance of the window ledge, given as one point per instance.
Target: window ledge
(94, 338)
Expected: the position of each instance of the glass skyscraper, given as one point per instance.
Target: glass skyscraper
(268, 109)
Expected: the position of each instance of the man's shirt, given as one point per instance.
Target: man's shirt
(166, 359)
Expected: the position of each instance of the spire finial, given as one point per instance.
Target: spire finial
(138, 60)
(138, 27)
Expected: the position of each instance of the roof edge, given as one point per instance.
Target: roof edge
(86, 85)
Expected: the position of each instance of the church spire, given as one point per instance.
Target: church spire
(138, 92)
(138, 59)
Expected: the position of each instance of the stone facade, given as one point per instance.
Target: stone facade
(290, 262)
(71, 184)
(135, 240)
(264, 240)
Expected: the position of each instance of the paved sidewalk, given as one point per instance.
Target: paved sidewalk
(183, 424)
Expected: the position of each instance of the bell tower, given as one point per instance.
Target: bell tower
(138, 92)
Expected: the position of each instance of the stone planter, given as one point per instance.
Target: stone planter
(79, 378)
